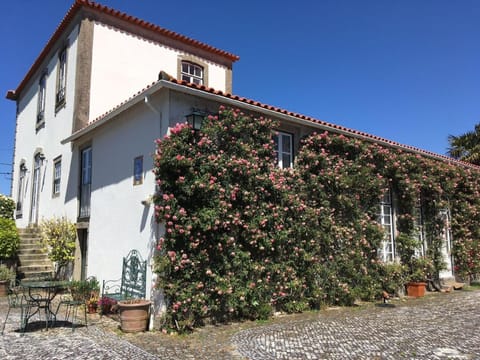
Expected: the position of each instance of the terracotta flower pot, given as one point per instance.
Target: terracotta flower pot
(416, 289)
(134, 315)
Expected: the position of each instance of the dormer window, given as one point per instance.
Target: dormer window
(41, 98)
(61, 78)
(192, 73)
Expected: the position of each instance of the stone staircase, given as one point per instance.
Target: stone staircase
(34, 261)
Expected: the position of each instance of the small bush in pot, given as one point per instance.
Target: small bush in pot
(6, 276)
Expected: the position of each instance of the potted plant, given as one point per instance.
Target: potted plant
(421, 269)
(6, 276)
(85, 290)
(106, 304)
(134, 314)
(393, 278)
(92, 303)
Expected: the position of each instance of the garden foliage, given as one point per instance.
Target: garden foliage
(9, 239)
(7, 207)
(244, 238)
(58, 238)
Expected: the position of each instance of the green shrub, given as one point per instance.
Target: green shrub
(6, 273)
(7, 207)
(244, 238)
(394, 277)
(9, 238)
(58, 238)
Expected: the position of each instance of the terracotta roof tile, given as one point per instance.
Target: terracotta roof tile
(343, 129)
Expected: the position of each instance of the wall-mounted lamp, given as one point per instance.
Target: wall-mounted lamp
(195, 119)
(41, 156)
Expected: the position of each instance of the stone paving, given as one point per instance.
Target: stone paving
(439, 326)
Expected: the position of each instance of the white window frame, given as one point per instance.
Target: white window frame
(387, 250)
(57, 176)
(283, 149)
(192, 73)
(419, 229)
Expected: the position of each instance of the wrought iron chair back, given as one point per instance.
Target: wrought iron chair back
(133, 281)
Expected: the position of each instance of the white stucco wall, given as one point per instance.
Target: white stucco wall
(58, 125)
(119, 222)
(123, 64)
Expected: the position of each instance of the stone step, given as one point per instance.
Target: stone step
(28, 250)
(34, 256)
(31, 239)
(28, 235)
(32, 262)
(34, 268)
(36, 274)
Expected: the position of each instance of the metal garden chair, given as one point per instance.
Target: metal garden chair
(18, 300)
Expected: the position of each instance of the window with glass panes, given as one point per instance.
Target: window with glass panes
(41, 97)
(57, 174)
(192, 73)
(283, 149)
(385, 218)
(61, 77)
(20, 190)
(419, 230)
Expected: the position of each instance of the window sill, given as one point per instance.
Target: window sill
(59, 106)
(39, 125)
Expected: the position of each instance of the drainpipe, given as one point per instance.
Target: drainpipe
(149, 104)
(156, 111)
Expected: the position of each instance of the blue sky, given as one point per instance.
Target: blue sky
(403, 70)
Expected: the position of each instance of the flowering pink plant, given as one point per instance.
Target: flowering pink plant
(244, 238)
(106, 301)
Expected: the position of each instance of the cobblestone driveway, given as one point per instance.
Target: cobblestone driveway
(440, 326)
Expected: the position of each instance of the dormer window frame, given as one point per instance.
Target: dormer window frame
(192, 73)
(192, 70)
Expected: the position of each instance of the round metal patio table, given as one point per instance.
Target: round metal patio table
(39, 296)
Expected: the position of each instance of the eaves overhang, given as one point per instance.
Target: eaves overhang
(258, 107)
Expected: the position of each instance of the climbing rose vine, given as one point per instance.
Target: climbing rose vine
(244, 238)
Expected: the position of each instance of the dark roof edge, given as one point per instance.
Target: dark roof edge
(174, 84)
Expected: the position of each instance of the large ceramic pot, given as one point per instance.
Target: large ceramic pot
(134, 315)
(416, 289)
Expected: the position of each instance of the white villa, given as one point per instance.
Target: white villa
(104, 87)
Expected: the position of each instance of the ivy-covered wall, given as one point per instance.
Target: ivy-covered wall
(244, 238)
